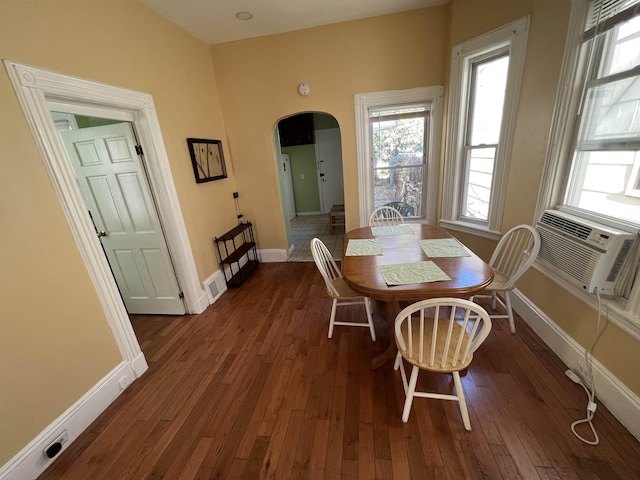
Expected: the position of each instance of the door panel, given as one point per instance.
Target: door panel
(329, 152)
(115, 188)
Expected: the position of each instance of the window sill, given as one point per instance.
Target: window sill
(613, 309)
(472, 229)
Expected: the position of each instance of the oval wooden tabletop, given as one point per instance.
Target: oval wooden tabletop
(469, 275)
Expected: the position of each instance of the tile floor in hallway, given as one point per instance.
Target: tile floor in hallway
(305, 227)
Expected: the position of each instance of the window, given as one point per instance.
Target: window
(593, 161)
(485, 81)
(398, 136)
(604, 174)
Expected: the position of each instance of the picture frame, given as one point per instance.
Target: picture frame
(207, 159)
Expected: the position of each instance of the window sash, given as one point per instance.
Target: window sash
(418, 111)
(509, 39)
(561, 148)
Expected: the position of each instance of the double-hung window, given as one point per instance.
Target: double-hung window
(398, 137)
(399, 142)
(592, 168)
(483, 100)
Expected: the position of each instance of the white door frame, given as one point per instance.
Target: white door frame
(34, 88)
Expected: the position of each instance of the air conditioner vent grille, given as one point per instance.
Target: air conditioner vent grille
(565, 225)
(572, 258)
(617, 265)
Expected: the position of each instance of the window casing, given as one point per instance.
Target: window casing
(486, 74)
(418, 169)
(593, 160)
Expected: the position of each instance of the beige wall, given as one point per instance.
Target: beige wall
(55, 343)
(616, 350)
(258, 79)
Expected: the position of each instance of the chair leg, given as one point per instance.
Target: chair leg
(409, 394)
(398, 361)
(367, 306)
(493, 300)
(333, 316)
(461, 401)
(512, 324)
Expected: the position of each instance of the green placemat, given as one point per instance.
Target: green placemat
(367, 246)
(444, 247)
(417, 272)
(392, 230)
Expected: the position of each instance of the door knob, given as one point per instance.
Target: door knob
(102, 233)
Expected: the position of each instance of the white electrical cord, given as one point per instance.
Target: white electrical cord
(591, 390)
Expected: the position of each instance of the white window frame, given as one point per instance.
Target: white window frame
(625, 314)
(513, 37)
(362, 103)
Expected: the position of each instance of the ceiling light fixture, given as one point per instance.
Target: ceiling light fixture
(244, 16)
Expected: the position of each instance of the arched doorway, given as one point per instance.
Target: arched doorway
(309, 159)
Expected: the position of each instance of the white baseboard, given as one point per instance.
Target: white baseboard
(200, 305)
(619, 400)
(302, 214)
(31, 461)
(273, 255)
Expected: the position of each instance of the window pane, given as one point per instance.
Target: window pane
(624, 47)
(611, 112)
(480, 162)
(399, 185)
(398, 142)
(488, 84)
(601, 184)
(398, 137)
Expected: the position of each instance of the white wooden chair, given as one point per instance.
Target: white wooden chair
(385, 216)
(338, 289)
(439, 335)
(515, 253)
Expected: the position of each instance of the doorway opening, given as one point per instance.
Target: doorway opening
(309, 159)
(109, 167)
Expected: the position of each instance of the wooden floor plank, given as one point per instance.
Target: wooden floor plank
(253, 388)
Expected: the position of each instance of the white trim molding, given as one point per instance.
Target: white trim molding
(274, 255)
(619, 400)
(362, 103)
(511, 38)
(35, 88)
(31, 461)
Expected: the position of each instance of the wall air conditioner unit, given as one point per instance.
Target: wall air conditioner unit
(585, 253)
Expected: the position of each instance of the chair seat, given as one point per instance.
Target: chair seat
(440, 344)
(344, 290)
(498, 283)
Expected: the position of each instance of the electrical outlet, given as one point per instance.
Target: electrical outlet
(124, 382)
(56, 446)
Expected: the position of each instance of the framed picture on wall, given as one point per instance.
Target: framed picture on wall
(207, 159)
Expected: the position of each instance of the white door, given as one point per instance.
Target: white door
(329, 157)
(286, 185)
(114, 186)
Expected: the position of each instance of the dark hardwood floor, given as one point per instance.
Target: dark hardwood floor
(253, 388)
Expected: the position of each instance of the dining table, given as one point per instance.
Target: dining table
(379, 270)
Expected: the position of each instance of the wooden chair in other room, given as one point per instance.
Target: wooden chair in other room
(338, 289)
(439, 335)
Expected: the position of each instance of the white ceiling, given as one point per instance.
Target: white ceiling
(214, 21)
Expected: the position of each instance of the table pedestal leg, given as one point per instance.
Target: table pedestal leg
(392, 308)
